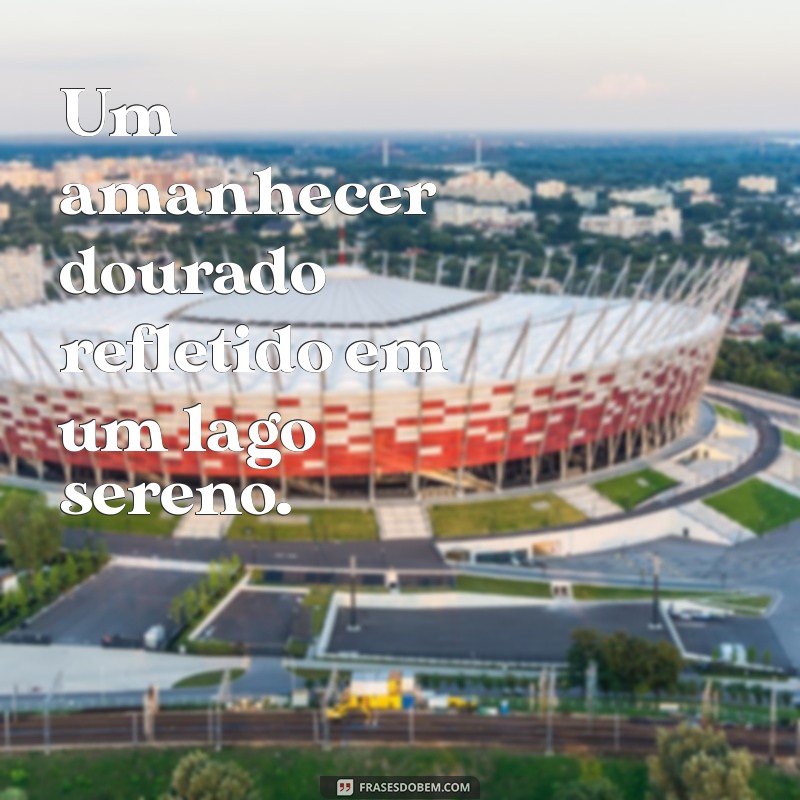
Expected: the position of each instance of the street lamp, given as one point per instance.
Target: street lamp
(655, 621)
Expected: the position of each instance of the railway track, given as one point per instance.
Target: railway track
(562, 734)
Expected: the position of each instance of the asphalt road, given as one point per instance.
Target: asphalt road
(320, 556)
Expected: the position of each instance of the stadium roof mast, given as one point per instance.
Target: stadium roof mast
(516, 283)
(440, 270)
(341, 258)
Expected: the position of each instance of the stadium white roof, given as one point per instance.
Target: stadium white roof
(483, 337)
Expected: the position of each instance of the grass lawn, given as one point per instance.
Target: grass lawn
(757, 505)
(317, 600)
(628, 491)
(156, 523)
(309, 524)
(203, 679)
(531, 512)
(747, 604)
(481, 585)
(6, 490)
(791, 439)
(292, 774)
(732, 414)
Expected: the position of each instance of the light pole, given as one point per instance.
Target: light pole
(591, 689)
(773, 720)
(655, 621)
(54, 689)
(353, 625)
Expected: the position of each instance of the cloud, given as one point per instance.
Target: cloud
(622, 86)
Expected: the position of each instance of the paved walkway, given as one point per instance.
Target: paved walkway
(727, 529)
(34, 668)
(407, 520)
(207, 526)
(588, 501)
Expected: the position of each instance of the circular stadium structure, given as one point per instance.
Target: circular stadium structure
(537, 387)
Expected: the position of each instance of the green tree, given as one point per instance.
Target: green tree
(586, 646)
(55, 580)
(11, 603)
(792, 309)
(198, 777)
(176, 610)
(214, 579)
(39, 586)
(773, 333)
(203, 602)
(665, 667)
(22, 599)
(189, 604)
(14, 793)
(31, 530)
(698, 764)
(71, 576)
(628, 661)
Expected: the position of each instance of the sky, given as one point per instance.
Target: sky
(260, 66)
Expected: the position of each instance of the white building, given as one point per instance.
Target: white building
(453, 212)
(585, 198)
(697, 199)
(761, 184)
(21, 276)
(483, 187)
(5, 212)
(622, 221)
(645, 196)
(551, 190)
(696, 185)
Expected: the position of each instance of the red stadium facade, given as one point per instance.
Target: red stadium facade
(537, 387)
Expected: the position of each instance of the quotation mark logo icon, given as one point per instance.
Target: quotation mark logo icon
(344, 787)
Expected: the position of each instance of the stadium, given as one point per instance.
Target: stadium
(537, 388)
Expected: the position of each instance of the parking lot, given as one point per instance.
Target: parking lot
(121, 601)
(534, 634)
(261, 621)
(706, 637)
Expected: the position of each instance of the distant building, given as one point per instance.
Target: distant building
(760, 184)
(22, 176)
(453, 212)
(483, 187)
(621, 221)
(645, 196)
(696, 185)
(5, 212)
(324, 172)
(21, 276)
(585, 198)
(712, 238)
(707, 197)
(551, 190)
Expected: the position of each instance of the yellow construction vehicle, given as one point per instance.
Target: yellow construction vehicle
(370, 692)
(461, 703)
